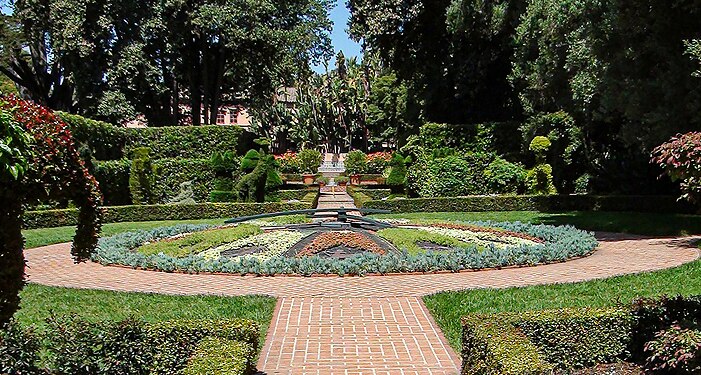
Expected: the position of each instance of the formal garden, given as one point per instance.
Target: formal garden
(506, 187)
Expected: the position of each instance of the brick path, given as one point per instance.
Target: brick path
(368, 325)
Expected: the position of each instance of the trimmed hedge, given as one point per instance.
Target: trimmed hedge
(539, 341)
(215, 355)
(78, 346)
(172, 172)
(113, 177)
(157, 212)
(105, 141)
(654, 204)
(184, 141)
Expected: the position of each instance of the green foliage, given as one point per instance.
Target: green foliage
(263, 179)
(503, 177)
(118, 214)
(215, 355)
(199, 241)
(397, 175)
(14, 147)
(693, 48)
(250, 161)
(183, 141)
(173, 172)
(105, 141)
(341, 180)
(537, 342)
(113, 177)
(539, 180)
(142, 177)
(309, 161)
(19, 350)
(223, 196)
(322, 180)
(543, 203)
(224, 163)
(680, 158)
(540, 146)
(355, 162)
(450, 176)
(388, 114)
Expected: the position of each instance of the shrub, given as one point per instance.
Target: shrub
(397, 176)
(322, 180)
(40, 163)
(159, 212)
(341, 180)
(551, 203)
(184, 141)
(142, 177)
(113, 177)
(680, 158)
(220, 196)
(378, 162)
(215, 355)
(451, 176)
(289, 163)
(540, 146)
(19, 350)
(676, 350)
(536, 342)
(171, 173)
(309, 161)
(224, 163)
(355, 162)
(539, 180)
(250, 161)
(105, 141)
(503, 177)
(263, 179)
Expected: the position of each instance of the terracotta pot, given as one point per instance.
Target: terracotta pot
(342, 183)
(308, 179)
(355, 179)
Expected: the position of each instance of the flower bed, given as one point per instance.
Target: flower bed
(491, 245)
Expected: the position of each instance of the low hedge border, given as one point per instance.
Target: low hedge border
(632, 203)
(561, 244)
(157, 212)
(221, 356)
(538, 342)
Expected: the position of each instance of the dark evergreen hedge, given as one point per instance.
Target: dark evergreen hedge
(632, 203)
(116, 214)
(184, 141)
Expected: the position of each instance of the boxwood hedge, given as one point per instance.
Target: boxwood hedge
(537, 342)
(117, 214)
(561, 243)
(655, 204)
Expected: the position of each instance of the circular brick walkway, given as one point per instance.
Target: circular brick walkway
(360, 325)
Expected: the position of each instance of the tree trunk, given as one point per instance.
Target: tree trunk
(11, 257)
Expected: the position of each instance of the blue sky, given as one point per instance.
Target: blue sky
(339, 36)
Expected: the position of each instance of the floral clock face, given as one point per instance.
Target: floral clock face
(267, 248)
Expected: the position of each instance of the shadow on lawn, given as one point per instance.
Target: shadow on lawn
(645, 224)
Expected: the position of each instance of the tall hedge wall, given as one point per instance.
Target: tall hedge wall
(116, 214)
(105, 141)
(184, 141)
(655, 204)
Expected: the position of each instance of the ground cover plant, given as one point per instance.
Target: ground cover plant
(305, 251)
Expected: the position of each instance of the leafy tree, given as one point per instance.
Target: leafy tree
(694, 49)
(454, 55)
(390, 114)
(38, 162)
(618, 68)
(680, 158)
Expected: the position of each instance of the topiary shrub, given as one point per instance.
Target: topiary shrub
(355, 162)
(539, 180)
(503, 177)
(39, 162)
(397, 175)
(250, 161)
(309, 161)
(142, 177)
(263, 179)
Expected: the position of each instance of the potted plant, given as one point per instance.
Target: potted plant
(309, 162)
(342, 180)
(322, 181)
(355, 163)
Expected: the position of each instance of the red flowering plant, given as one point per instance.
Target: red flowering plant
(352, 240)
(680, 158)
(52, 170)
(289, 163)
(377, 162)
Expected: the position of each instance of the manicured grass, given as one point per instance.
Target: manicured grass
(447, 308)
(198, 242)
(622, 222)
(407, 239)
(39, 302)
(50, 236)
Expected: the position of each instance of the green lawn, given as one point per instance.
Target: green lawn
(38, 302)
(623, 222)
(447, 308)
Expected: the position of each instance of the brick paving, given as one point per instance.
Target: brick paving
(360, 325)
